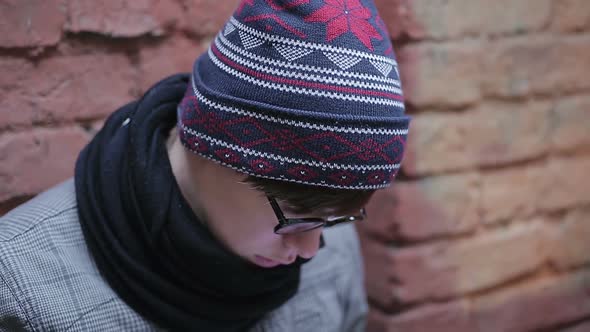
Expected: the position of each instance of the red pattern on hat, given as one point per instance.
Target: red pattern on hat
(343, 16)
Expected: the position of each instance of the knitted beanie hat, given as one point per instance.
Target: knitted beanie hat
(306, 91)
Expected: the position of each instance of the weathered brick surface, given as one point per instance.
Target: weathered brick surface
(167, 57)
(568, 241)
(31, 23)
(205, 17)
(379, 271)
(34, 160)
(450, 205)
(445, 19)
(570, 120)
(418, 210)
(570, 15)
(566, 184)
(66, 87)
(544, 64)
(399, 19)
(16, 104)
(535, 305)
(441, 75)
(447, 269)
(547, 186)
(122, 18)
(380, 222)
(444, 317)
(491, 134)
(511, 192)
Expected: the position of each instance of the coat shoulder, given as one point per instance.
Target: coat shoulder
(50, 204)
(48, 275)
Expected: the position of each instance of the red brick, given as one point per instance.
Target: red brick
(513, 192)
(570, 121)
(491, 134)
(443, 317)
(123, 18)
(568, 242)
(571, 15)
(436, 206)
(399, 19)
(535, 305)
(444, 19)
(35, 160)
(170, 56)
(509, 132)
(543, 64)
(30, 23)
(443, 270)
(380, 221)
(206, 17)
(566, 184)
(422, 209)
(64, 88)
(555, 185)
(538, 305)
(16, 103)
(379, 270)
(430, 73)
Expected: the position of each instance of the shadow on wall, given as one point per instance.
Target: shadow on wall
(432, 264)
(489, 228)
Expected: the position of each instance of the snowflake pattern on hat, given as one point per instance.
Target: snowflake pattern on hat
(343, 16)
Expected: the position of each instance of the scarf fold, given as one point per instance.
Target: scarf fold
(147, 242)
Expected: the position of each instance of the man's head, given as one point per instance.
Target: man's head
(300, 101)
(236, 207)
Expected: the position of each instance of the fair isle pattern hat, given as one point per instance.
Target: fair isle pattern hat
(306, 91)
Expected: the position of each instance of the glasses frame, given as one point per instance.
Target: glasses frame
(286, 222)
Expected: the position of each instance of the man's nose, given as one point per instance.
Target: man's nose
(304, 244)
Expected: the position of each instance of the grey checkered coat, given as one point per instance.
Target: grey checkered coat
(49, 282)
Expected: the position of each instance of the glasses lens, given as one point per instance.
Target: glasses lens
(299, 227)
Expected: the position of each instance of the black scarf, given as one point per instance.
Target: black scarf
(147, 242)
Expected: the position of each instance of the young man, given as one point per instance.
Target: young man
(201, 206)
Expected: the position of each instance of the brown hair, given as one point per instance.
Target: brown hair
(314, 200)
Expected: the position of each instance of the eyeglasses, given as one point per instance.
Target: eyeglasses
(299, 225)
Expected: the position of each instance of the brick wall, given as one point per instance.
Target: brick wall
(488, 227)
(67, 64)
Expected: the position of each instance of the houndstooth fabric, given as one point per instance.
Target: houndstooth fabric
(49, 282)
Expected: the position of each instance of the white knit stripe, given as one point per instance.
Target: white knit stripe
(304, 76)
(384, 68)
(229, 28)
(304, 91)
(341, 60)
(322, 183)
(300, 43)
(306, 67)
(291, 53)
(292, 123)
(248, 40)
(281, 159)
